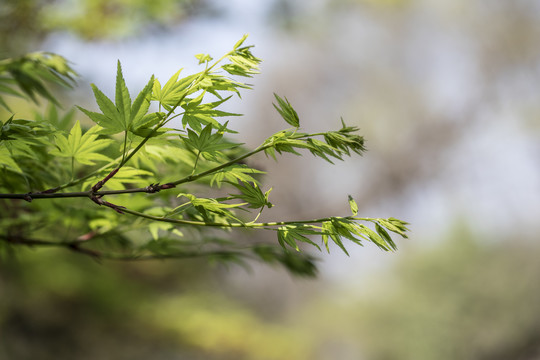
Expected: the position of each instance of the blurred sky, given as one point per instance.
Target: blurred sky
(450, 144)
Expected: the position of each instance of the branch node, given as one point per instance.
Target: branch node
(167, 186)
(98, 200)
(153, 188)
(28, 197)
(100, 183)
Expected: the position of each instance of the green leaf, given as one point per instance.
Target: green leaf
(373, 236)
(345, 140)
(108, 108)
(234, 173)
(110, 120)
(290, 234)
(122, 98)
(394, 225)
(174, 90)
(353, 205)
(197, 115)
(140, 107)
(30, 73)
(203, 58)
(221, 83)
(122, 116)
(85, 149)
(253, 195)
(7, 161)
(333, 230)
(146, 125)
(385, 236)
(208, 208)
(240, 42)
(242, 61)
(206, 143)
(286, 111)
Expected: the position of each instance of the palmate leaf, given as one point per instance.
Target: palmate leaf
(221, 83)
(203, 58)
(206, 142)
(174, 90)
(110, 119)
(122, 116)
(17, 132)
(353, 205)
(23, 147)
(197, 115)
(253, 195)
(286, 111)
(139, 109)
(210, 209)
(7, 161)
(329, 230)
(289, 141)
(84, 148)
(337, 143)
(346, 139)
(395, 225)
(349, 228)
(242, 61)
(30, 73)
(235, 173)
(290, 234)
(122, 98)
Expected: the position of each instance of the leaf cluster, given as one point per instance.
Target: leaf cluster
(174, 186)
(26, 76)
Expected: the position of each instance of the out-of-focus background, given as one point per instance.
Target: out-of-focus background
(446, 94)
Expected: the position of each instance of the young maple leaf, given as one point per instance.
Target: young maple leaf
(84, 148)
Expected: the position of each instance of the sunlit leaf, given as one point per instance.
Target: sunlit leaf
(84, 148)
(122, 116)
(286, 111)
(234, 173)
(290, 234)
(353, 205)
(253, 195)
(197, 115)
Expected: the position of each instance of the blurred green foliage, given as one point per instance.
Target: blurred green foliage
(25, 23)
(97, 19)
(463, 299)
(77, 308)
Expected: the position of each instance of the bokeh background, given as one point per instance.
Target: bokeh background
(446, 94)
